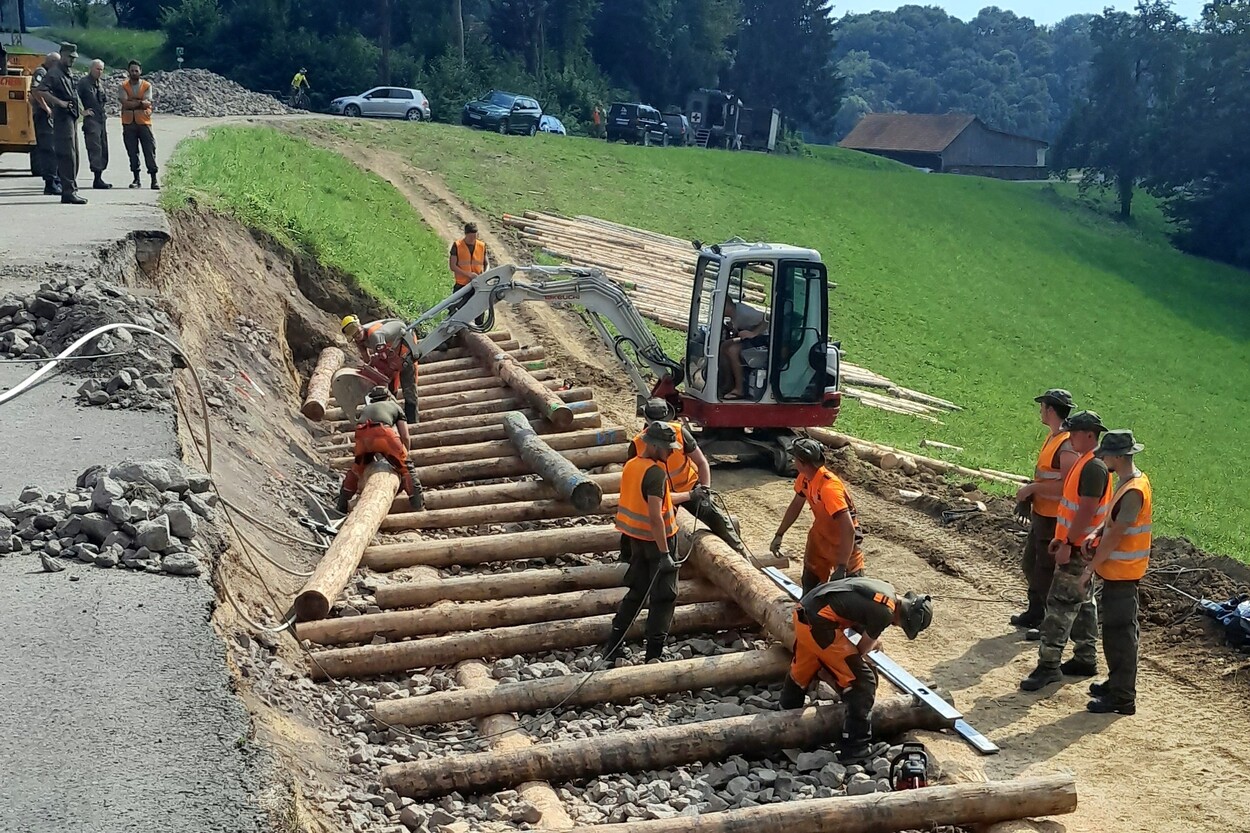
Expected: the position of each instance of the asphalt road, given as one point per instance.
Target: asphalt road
(117, 710)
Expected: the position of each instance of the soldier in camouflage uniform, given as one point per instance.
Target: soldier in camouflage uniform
(59, 91)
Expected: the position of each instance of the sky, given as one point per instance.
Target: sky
(1042, 11)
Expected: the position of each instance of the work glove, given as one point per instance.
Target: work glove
(1024, 511)
(839, 573)
(775, 546)
(700, 491)
(668, 561)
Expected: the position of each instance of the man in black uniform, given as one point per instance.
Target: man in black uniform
(94, 129)
(59, 92)
(867, 606)
(45, 146)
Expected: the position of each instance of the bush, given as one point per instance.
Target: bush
(193, 25)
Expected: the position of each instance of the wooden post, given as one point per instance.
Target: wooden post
(377, 489)
(954, 805)
(372, 660)
(513, 546)
(529, 510)
(458, 453)
(609, 685)
(471, 429)
(478, 382)
(888, 457)
(434, 404)
(541, 456)
(501, 493)
(330, 360)
(489, 468)
(710, 740)
(462, 362)
(518, 378)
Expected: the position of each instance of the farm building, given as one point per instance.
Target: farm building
(956, 143)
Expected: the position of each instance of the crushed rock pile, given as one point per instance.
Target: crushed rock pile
(150, 516)
(198, 92)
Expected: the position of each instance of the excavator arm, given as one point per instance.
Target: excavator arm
(605, 305)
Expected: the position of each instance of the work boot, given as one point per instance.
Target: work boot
(155, 186)
(51, 188)
(99, 184)
(1098, 690)
(1103, 705)
(655, 650)
(613, 645)
(73, 199)
(1028, 619)
(340, 502)
(1033, 635)
(793, 695)
(1041, 677)
(136, 183)
(1076, 668)
(416, 500)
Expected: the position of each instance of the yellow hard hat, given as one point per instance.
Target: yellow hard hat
(350, 324)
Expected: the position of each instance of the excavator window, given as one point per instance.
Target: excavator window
(703, 326)
(800, 316)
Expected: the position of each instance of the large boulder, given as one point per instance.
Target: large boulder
(162, 475)
(153, 534)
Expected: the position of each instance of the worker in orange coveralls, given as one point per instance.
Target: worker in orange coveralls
(382, 430)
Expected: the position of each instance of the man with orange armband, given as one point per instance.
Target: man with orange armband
(381, 430)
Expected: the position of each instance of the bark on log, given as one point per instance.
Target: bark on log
(649, 749)
(529, 510)
(875, 451)
(763, 601)
(318, 398)
(505, 735)
(956, 805)
(336, 568)
(513, 466)
(543, 457)
(434, 365)
(519, 379)
(479, 428)
(610, 685)
(373, 660)
(583, 397)
(476, 382)
(498, 494)
(459, 452)
(477, 616)
(433, 404)
(513, 546)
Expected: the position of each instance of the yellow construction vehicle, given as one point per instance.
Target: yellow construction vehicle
(17, 124)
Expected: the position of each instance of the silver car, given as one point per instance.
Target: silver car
(385, 102)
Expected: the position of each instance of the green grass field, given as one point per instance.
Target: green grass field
(116, 47)
(317, 202)
(979, 291)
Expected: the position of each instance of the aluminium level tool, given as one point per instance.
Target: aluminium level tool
(899, 676)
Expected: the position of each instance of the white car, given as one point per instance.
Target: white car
(385, 102)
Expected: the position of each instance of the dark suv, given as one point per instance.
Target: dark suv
(504, 112)
(636, 123)
(678, 128)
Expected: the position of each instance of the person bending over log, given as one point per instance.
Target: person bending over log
(833, 542)
(381, 430)
(648, 527)
(389, 355)
(867, 606)
(688, 471)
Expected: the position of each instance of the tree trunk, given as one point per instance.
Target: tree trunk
(386, 42)
(500, 494)
(650, 749)
(458, 6)
(520, 511)
(490, 468)
(1124, 183)
(542, 456)
(21, 16)
(480, 549)
(518, 378)
(316, 402)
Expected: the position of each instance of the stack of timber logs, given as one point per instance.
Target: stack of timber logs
(888, 458)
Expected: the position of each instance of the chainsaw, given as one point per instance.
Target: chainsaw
(910, 768)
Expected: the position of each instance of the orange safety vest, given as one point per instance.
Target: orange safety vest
(822, 541)
(682, 474)
(1132, 555)
(386, 361)
(1071, 500)
(1044, 471)
(142, 115)
(633, 516)
(472, 262)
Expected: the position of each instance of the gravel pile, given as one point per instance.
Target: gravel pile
(198, 92)
(138, 515)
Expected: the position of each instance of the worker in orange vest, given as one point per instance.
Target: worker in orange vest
(832, 551)
(135, 95)
(867, 606)
(467, 259)
(1070, 610)
(1039, 502)
(647, 522)
(1120, 555)
(382, 431)
(389, 355)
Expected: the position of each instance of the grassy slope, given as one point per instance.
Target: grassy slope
(318, 202)
(116, 47)
(957, 286)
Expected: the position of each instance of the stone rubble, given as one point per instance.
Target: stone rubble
(151, 516)
(200, 93)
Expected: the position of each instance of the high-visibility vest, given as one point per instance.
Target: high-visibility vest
(1044, 471)
(142, 115)
(1071, 501)
(473, 262)
(633, 516)
(682, 474)
(1132, 555)
(388, 361)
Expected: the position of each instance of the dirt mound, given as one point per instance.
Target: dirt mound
(198, 92)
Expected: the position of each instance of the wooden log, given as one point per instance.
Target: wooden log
(490, 468)
(316, 402)
(477, 382)
(427, 591)
(473, 373)
(649, 749)
(519, 379)
(763, 601)
(433, 366)
(377, 490)
(935, 444)
(610, 685)
(497, 494)
(505, 734)
(372, 660)
(874, 452)
(476, 616)
(478, 428)
(466, 397)
(542, 456)
(513, 546)
(955, 805)
(513, 403)
(524, 510)
(458, 452)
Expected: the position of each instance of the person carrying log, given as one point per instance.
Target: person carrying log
(1070, 610)
(389, 355)
(689, 471)
(833, 549)
(1120, 555)
(867, 606)
(383, 431)
(1039, 502)
(648, 525)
